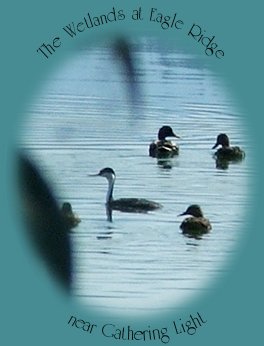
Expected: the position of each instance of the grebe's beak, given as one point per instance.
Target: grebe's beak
(94, 175)
(216, 144)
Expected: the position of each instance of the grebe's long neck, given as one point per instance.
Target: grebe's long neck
(109, 195)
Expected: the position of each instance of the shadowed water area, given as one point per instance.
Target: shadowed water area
(84, 120)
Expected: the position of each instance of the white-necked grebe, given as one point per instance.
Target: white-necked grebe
(70, 218)
(195, 224)
(227, 152)
(130, 205)
(163, 147)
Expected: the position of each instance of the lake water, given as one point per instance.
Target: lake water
(83, 120)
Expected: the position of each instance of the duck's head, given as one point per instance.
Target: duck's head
(193, 210)
(222, 139)
(166, 131)
(66, 207)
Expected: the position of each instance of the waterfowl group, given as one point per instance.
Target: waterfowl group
(195, 224)
(164, 148)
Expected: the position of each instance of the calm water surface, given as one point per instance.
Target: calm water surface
(83, 120)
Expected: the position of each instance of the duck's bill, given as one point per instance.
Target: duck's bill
(176, 136)
(216, 144)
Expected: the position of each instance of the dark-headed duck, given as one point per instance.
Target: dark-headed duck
(163, 147)
(226, 152)
(196, 223)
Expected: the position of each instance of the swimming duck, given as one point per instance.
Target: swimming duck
(71, 219)
(130, 205)
(196, 224)
(226, 152)
(162, 147)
